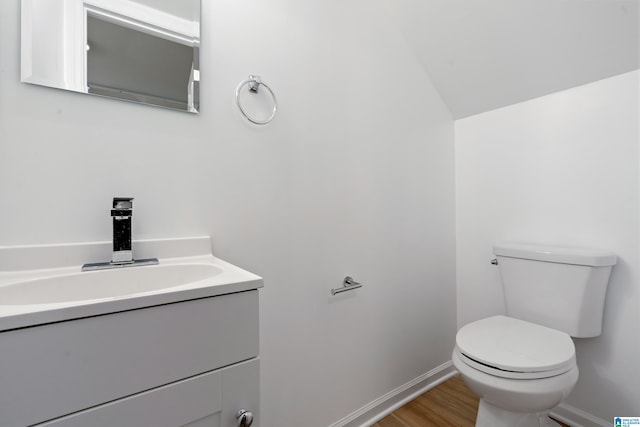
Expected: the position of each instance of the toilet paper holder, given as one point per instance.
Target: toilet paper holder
(348, 284)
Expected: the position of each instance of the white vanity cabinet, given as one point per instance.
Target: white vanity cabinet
(191, 363)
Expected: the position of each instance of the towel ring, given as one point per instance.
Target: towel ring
(254, 83)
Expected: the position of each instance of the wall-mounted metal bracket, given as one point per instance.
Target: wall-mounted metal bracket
(348, 284)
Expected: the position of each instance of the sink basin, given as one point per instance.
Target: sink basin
(115, 283)
(44, 284)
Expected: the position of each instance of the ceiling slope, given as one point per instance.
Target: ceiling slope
(487, 54)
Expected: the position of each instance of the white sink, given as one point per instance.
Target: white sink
(117, 283)
(44, 288)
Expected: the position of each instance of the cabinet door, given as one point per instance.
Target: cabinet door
(241, 390)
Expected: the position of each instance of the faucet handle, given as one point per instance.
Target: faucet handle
(122, 207)
(123, 203)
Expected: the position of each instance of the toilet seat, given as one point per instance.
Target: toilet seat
(511, 348)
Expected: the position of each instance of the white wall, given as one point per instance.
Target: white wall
(561, 169)
(354, 176)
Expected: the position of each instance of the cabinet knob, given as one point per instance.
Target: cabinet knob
(245, 418)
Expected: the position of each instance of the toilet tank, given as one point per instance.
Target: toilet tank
(558, 287)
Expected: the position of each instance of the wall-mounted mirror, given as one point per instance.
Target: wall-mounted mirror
(144, 51)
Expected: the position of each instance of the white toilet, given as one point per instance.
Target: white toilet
(523, 365)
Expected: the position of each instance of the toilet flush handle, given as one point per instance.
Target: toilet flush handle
(494, 261)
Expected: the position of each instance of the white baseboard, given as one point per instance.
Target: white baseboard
(575, 417)
(384, 405)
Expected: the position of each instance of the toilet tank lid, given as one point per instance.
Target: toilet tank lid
(559, 254)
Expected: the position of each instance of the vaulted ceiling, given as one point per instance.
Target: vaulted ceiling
(485, 54)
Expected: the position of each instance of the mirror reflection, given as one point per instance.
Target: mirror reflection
(144, 51)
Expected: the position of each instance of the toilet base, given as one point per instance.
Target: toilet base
(492, 416)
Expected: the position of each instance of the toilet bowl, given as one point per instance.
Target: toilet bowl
(519, 370)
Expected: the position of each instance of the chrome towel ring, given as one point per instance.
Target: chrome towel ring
(254, 83)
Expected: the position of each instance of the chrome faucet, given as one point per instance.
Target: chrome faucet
(122, 255)
(121, 213)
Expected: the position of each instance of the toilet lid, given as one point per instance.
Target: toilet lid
(515, 345)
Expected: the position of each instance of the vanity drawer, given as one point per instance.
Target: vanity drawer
(175, 405)
(53, 370)
(208, 400)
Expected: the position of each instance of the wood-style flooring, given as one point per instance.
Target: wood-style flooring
(449, 404)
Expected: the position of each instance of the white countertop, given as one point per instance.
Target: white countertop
(29, 260)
